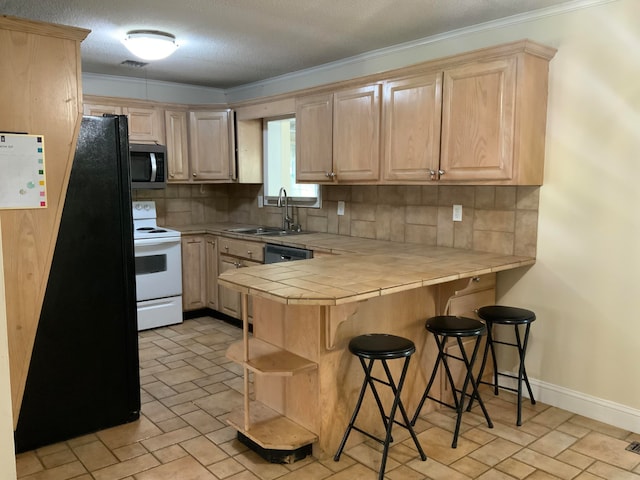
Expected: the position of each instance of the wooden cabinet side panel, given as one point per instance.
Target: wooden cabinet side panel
(412, 110)
(314, 138)
(356, 134)
(209, 142)
(193, 272)
(478, 117)
(40, 88)
(211, 256)
(177, 145)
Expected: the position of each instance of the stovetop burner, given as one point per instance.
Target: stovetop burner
(144, 223)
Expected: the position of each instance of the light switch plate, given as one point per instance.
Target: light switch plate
(340, 207)
(457, 213)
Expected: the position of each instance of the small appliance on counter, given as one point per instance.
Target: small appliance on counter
(158, 266)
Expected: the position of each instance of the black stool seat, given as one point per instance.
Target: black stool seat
(454, 326)
(381, 347)
(505, 315)
(443, 327)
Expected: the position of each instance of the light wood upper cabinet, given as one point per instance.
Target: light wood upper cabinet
(478, 117)
(314, 138)
(177, 145)
(338, 136)
(211, 146)
(145, 124)
(356, 134)
(411, 114)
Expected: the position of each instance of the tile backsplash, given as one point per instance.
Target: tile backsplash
(495, 219)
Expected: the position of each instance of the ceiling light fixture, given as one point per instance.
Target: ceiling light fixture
(150, 44)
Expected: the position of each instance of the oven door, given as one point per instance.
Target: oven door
(158, 268)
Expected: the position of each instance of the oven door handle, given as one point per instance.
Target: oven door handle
(150, 242)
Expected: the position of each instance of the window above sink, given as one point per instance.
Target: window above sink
(280, 165)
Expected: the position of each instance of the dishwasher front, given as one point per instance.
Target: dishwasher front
(279, 253)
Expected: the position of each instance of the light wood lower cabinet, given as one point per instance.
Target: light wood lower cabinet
(232, 254)
(211, 257)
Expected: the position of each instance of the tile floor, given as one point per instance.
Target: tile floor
(188, 388)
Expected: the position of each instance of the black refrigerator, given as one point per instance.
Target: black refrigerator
(84, 375)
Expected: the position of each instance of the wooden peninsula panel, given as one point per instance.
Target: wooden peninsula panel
(40, 88)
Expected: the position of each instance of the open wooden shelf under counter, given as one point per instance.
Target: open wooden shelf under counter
(268, 359)
(269, 429)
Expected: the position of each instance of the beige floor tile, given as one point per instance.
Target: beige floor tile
(95, 455)
(185, 468)
(126, 468)
(183, 435)
(515, 468)
(546, 464)
(553, 443)
(608, 449)
(495, 452)
(610, 472)
(226, 468)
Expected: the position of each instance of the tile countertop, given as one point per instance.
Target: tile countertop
(364, 269)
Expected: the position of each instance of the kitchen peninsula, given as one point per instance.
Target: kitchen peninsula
(304, 314)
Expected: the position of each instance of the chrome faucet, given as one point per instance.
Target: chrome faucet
(283, 202)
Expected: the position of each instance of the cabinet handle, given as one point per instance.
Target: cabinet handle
(330, 175)
(476, 279)
(249, 252)
(194, 174)
(441, 172)
(226, 247)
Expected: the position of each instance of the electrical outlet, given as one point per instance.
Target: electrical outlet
(340, 207)
(260, 201)
(457, 213)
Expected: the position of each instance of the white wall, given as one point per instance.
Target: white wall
(586, 341)
(7, 458)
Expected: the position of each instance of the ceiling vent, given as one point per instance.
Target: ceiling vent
(134, 64)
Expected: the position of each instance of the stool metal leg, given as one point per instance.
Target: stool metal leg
(388, 421)
(522, 372)
(397, 403)
(403, 412)
(474, 385)
(434, 372)
(367, 381)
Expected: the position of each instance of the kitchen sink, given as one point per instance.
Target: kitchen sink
(263, 231)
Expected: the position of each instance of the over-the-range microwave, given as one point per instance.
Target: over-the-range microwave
(148, 165)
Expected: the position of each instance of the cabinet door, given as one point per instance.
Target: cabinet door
(211, 255)
(229, 301)
(194, 273)
(314, 138)
(356, 134)
(478, 121)
(177, 145)
(209, 140)
(145, 125)
(100, 110)
(412, 109)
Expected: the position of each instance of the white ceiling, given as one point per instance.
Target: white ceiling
(227, 43)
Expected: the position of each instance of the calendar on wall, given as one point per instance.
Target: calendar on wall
(22, 171)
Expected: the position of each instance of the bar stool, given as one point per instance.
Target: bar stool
(382, 347)
(442, 327)
(503, 315)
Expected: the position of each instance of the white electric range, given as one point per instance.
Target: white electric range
(158, 265)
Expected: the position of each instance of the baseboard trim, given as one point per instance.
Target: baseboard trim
(599, 409)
